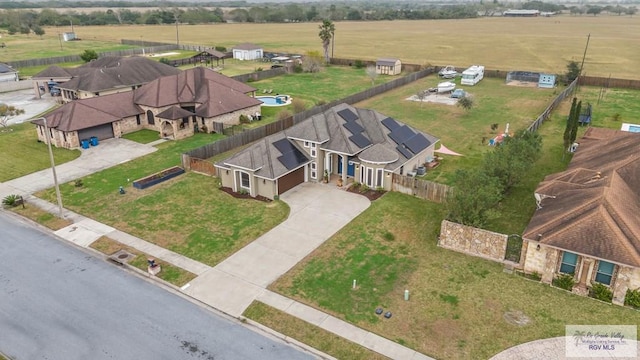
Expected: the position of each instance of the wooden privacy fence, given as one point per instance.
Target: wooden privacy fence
(547, 112)
(609, 82)
(202, 166)
(423, 189)
(249, 136)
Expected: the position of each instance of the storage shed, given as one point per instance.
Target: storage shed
(247, 51)
(388, 66)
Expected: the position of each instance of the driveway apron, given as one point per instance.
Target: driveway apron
(317, 212)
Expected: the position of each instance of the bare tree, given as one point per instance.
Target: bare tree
(372, 73)
(7, 112)
(421, 95)
(312, 62)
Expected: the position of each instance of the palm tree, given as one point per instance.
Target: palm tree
(327, 29)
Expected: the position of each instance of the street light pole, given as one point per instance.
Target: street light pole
(53, 166)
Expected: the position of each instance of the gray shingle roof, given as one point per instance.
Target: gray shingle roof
(247, 46)
(597, 200)
(4, 68)
(326, 128)
(386, 61)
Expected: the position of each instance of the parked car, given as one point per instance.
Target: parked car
(458, 93)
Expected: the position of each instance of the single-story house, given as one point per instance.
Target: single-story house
(388, 66)
(247, 51)
(104, 76)
(7, 73)
(587, 223)
(176, 106)
(358, 145)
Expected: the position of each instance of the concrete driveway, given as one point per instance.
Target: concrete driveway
(108, 153)
(27, 101)
(317, 212)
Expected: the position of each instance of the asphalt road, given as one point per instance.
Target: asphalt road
(58, 302)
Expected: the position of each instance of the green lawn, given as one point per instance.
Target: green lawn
(187, 214)
(22, 154)
(460, 130)
(457, 303)
(143, 136)
(311, 335)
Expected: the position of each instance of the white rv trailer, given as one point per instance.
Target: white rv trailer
(472, 75)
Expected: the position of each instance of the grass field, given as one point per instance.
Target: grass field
(534, 44)
(22, 154)
(187, 214)
(458, 303)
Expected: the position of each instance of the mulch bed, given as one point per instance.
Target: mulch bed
(244, 196)
(370, 194)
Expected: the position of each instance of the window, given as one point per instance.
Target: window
(605, 272)
(306, 144)
(568, 263)
(379, 175)
(370, 177)
(245, 183)
(314, 150)
(314, 170)
(150, 118)
(138, 119)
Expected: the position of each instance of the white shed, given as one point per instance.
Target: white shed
(388, 66)
(7, 73)
(247, 51)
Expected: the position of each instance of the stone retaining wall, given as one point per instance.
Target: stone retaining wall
(473, 241)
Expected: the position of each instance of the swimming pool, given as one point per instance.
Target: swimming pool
(630, 128)
(278, 100)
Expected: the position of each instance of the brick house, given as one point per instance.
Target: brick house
(588, 221)
(175, 106)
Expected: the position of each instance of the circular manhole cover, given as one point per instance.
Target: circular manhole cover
(123, 256)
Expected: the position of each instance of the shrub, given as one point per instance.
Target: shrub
(601, 292)
(298, 69)
(204, 129)
(564, 281)
(258, 69)
(12, 200)
(364, 188)
(244, 119)
(283, 115)
(465, 103)
(298, 105)
(78, 183)
(359, 64)
(632, 298)
(616, 117)
(221, 48)
(165, 61)
(89, 55)
(321, 102)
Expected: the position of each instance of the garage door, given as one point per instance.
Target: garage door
(101, 132)
(290, 180)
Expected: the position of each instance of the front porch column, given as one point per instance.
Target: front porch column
(345, 167)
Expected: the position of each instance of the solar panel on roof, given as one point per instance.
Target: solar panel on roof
(417, 143)
(401, 134)
(283, 145)
(348, 115)
(404, 151)
(360, 140)
(288, 160)
(353, 127)
(390, 124)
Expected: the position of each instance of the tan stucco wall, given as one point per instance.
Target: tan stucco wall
(266, 188)
(473, 241)
(226, 179)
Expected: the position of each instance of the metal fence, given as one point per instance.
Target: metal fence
(525, 76)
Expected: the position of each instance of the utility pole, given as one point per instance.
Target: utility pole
(177, 34)
(53, 167)
(333, 41)
(582, 64)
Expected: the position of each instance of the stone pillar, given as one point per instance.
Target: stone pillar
(550, 266)
(621, 284)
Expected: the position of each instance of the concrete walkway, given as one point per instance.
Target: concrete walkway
(317, 212)
(108, 153)
(553, 348)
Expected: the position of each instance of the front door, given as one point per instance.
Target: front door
(351, 167)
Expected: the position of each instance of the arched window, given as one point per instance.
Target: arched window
(150, 118)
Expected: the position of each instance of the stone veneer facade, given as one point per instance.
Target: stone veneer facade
(473, 241)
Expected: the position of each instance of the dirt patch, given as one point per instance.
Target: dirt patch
(445, 99)
(522, 83)
(370, 194)
(516, 317)
(244, 196)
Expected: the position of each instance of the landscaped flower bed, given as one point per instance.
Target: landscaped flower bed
(158, 177)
